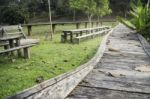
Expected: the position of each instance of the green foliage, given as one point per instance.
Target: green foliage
(13, 15)
(88, 6)
(120, 7)
(139, 18)
(91, 7)
(102, 7)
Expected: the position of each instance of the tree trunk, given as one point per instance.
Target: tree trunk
(98, 19)
(50, 20)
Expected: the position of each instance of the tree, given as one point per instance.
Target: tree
(88, 6)
(91, 7)
(102, 8)
(139, 18)
(13, 15)
(120, 7)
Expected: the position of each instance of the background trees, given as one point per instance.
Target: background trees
(139, 19)
(91, 7)
(29, 10)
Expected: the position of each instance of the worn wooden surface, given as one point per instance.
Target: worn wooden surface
(80, 32)
(90, 36)
(115, 76)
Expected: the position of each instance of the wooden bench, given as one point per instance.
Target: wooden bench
(89, 36)
(17, 30)
(4, 44)
(16, 44)
(25, 48)
(80, 32)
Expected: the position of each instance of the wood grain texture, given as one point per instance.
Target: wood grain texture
(115, 76)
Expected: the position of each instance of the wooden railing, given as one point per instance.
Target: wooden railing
(78, 23)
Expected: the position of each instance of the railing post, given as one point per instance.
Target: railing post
(97, 24)
(29, 29)
(78, 25)
(86, 24)
(53, 27)
(92, 24)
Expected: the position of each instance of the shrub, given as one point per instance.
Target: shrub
(139, 18)
(13, 15)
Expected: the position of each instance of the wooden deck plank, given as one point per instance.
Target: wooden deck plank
(115, 76)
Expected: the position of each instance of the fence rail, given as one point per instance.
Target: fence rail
(77, 23)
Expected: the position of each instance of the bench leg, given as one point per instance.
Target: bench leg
(6, 47)
(19, 53)
(11, 43)
(26, 53)
(71, 37)
(62, 39)
(77, 35)
(17, 44)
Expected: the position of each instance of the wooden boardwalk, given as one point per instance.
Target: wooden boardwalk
(118, 74)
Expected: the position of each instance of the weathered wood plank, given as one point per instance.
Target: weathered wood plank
(116, 72)
(82, 92)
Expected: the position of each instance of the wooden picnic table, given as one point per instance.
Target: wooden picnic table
(29, 26)
(13, 41)
(79, 32)
(78, 23)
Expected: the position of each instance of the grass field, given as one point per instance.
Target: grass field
(48, 59)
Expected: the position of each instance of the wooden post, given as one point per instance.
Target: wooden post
(97, 24)
(26, 53)
(77, 25)
(92, 24)
(71, 37)
(80, 33)
(18, 44)
(29, 30)
(65, 36)
(53, 27)
(86, 24)
(6, 47)
(77, 35)
(11, 43)
(101, 23)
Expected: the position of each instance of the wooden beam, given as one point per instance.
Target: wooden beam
(29, 27)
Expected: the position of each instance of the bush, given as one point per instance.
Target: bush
(13, 15)
(139, 18)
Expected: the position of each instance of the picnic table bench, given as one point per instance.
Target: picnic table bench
(80, 32)
(91, 35)
(15, 41)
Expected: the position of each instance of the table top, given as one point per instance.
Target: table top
(9, 38)
(85, 29)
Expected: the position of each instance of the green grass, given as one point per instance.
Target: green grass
(48, 59)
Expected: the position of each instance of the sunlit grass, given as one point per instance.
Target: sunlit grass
(48, 59)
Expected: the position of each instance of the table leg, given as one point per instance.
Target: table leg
(86, 24)
(18, 44)
(53, 28)
(71, 37)
(11, 43)
(29, 30)
(77, 25)
(65, 36)
(81, 33)
(77, 35)
(6, 47)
